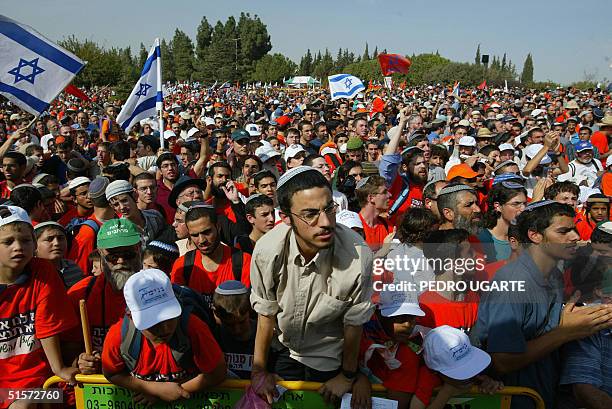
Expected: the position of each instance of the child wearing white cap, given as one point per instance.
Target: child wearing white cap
(388, 348)
(34, 309)
(175, 352)
(449, 353)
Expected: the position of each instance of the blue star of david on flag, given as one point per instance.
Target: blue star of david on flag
(348, 82)
(19, 76)
(144, 88)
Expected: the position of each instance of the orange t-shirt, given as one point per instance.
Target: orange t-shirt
(600, 140)
(442, 311)
(156, 362)
(201, 280)
(36, 309)
(375, 236)
(82, 245)
(606, 184)
(105, 307)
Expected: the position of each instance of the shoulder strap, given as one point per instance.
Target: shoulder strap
(188, 266)
(237, 264)
(596, 165)
(90, 286)
(572, 168)
(131, 343)
(180, 344)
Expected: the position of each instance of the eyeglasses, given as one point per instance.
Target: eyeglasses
(116, 255)
(310, 217)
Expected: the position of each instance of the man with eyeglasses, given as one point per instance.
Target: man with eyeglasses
(145, 186)
(167, 163)
(120, 195)
(119, 244)
(311, 288)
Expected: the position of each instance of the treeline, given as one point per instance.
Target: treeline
(237, 50)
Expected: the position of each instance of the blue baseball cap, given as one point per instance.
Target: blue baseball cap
(583, 146)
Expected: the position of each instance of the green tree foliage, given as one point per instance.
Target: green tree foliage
(203, 39)
(324, 67)
(477, 58)
(103, 66)
(167, 56)
(366, 53)
(306, 64)
(375, 52)
(219, 62)
(182, 49)
(129, 74)
(527, 74)
(253, 44)
(273, 68)
(142, 56)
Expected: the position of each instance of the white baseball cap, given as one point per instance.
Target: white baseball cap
(448, 350)
(349, 219)
(192, 132)
(208, 121)
(76, 182)
(506, 147)
(266, 152)
(293, 150)
(532, 150)
(467, 141)
(394, 303)
(537, 112)
(150, 298)
(17, 215)
(253, 129)
(169, 134)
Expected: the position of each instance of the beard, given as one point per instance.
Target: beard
(118, 277)
(462, 222)
(217, 192)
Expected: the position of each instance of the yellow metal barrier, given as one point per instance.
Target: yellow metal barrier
(506, 393)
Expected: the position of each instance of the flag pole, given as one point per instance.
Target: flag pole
(160, 105)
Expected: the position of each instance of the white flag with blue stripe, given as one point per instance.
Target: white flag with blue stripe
(344, 86)
(146, 98)
(33, 70)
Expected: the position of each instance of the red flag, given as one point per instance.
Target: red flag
(72, 90)
(483, 85)
(391, 63)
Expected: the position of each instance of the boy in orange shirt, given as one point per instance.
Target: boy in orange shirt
(34, 309)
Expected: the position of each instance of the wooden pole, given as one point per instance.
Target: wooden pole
(85, 326)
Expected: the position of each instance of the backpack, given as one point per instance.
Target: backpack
(74, 226)
(191, 303)
(190, 261)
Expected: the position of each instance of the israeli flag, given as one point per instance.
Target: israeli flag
(344, 86)
(33, 70)
(146, 98)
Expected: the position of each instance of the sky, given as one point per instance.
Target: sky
(569, 40)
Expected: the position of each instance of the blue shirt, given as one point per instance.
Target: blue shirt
(507, 320)
(494, 248)
(589, 361)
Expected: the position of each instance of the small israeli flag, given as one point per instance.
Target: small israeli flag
(33, 70)
(146, 97)
(344, 86)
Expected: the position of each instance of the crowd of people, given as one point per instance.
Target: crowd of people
(258, 236)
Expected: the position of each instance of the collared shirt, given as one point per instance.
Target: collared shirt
(507, 320)
(314, 300)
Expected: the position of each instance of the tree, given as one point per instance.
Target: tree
(325, 66)
(273, 68)
(503, 64)
(375, 52)
(306, 64)
(253, 44)
(129, 73)
(183, 56)
(527, 74)
(366, 53)
(477, 59)
(203, 38)
(220, 61)
(167, 57)
(142, 56)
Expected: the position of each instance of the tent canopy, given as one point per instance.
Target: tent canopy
(302, 80)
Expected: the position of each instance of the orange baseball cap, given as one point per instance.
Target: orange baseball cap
(461, 170)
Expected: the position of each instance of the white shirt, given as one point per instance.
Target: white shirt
(579, 171)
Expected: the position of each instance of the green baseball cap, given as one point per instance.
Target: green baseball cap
(354, 144)
(118, 233)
